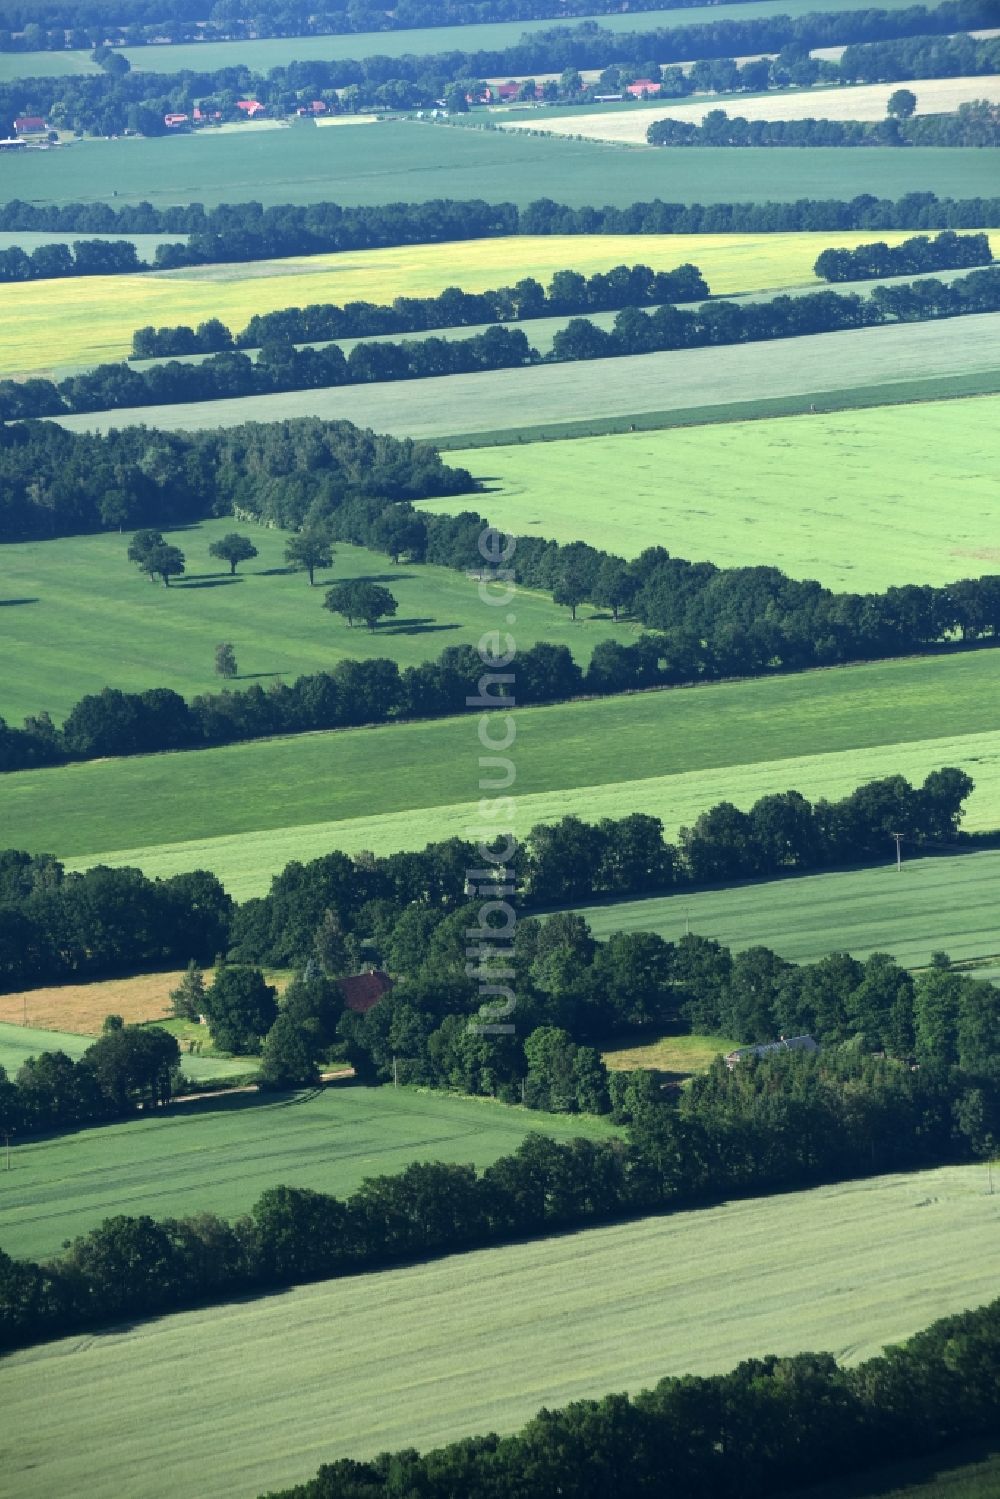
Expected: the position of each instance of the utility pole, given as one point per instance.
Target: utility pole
(899, 851)
(395, 1072)
(6, 1141)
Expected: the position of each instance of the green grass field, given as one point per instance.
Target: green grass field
(477, 1342)
(218, 1156)
(279, 51)
(18, 1043)
(82, 320)
(410, 161)
(966, 1472)
(246, 810)
(853, 499)
(76, 616)
(876, 361)
(946, 903)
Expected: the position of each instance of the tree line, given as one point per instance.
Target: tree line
(973, 124)
(56, 926)
(59, 483)
(119, 99)
(88, 257)
(567, 292)
(248, 231)
(281, 366)
(772, 1125)
(913, 257)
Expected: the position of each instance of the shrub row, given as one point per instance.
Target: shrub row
(974, 124)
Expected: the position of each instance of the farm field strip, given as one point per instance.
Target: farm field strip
(245, 862)
(601, 744)
(18, 1043)
(87, 319)
(865, 101)
(218, 1156)
(852, 498)
(408, 161)
(935, 904)
(477, 1342)
(680, 380)
(87, 618)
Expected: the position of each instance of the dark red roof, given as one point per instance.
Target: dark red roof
(29, 122)
(363, 990)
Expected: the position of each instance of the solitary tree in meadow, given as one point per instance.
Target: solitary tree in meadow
(308, 550)
(140, 547)
(570, 590)
(374, 603)
(188, 999)
(233, 548)
(225, 659)
(902, 104)
(163, 562)
(342, 599)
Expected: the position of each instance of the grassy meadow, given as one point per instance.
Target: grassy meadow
(246, 810)
(86, 319)
(218, 1156)
(678, 1056)
(853, 499)
(76, 616)
(18, 1043)
(412, 161)
(515, 403)
(944, 903)
(477, 1342)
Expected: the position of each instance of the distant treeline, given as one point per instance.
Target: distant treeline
(767, 1428)
(913, 257)
(786, 1123)
(567, 292)
(248, 231)
(58, 927)
(974, 124)
(88, 257)
(118, 99)
(281, 366)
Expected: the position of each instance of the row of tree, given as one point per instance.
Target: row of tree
(59, 483)
(56, 926)
(785, 1123)
(974, 124)
(281, 366)
(120, 99)
(915, 256)
(567, 292)
(88, 257)
(248, 231)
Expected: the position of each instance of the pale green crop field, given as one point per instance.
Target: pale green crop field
(478, 1342)
(947, 904)
(246, 810)
(86, 319)
(860, 500)
(19, 1042)
(77, 616)
(218, 1156)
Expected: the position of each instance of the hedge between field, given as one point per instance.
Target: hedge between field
(973, 125)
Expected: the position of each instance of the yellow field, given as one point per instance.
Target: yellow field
(679, 1055)
(865, 102)
(45, 325)
(80, 1008)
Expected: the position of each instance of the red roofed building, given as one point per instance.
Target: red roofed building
(362, 991)
(172, 121)
(643, 86)
(507, 91)
(250, 107)
(30, 125)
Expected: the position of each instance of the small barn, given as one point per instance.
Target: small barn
(362, 991)
(250, 107)
(28, 125)
(643, 88)
(769, 1048)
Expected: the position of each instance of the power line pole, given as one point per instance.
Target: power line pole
(899, 851)
(6, 1141)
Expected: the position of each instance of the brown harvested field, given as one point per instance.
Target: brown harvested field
(680, 1056)
(865, 102)
(80, 1008)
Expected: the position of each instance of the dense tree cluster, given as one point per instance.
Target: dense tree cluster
(87, 257)
(567, 292)
(775, 1124)
(281, 366)
(119, 99)
(913, 257)
(128, 1068)
(973, 124)
(59, 483)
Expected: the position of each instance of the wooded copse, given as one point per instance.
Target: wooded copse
(120, 99)
(775, 1124)
(973, 124)
(281, 366)
(567, 292)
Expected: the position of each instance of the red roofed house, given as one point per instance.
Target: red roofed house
(251, 107)
(643, 86)
(362, 991)
(204, 114)
(30, 125)
(507, 91)
(172, 121)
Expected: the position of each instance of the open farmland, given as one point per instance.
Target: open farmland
(409, 161)
(477, 1342)
(853, 499)
(85, 319)
(76, 616)
(683, 380)
(246, 810)
(862, 102)
(935, 904)
(220, 1155)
